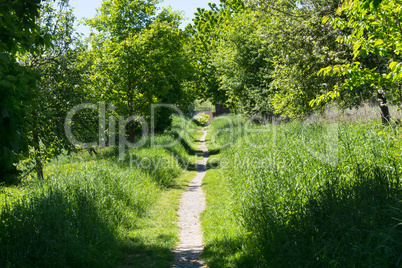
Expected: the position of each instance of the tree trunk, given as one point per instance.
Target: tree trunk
(35, 133)
(385, 116)
(131, 132)
(92, 151)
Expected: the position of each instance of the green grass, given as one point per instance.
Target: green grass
(223, 236)
(306, 194)
(223, 132)
(97, 211)
(150, 244)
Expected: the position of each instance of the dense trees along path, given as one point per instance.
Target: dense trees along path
(191, 206)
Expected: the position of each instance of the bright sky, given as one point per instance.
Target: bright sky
(87, 9)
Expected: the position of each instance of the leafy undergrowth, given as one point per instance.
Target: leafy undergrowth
(95, 210)
(307, 194)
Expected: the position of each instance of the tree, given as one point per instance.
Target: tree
(19, 34)
(139, 58)
(300, 46)
(206, 33)
(374, 32)
(61, 85)
(243, 64)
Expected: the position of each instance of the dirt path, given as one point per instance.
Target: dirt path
(191, 205)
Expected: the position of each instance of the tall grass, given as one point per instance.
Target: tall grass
(89, 209)
(74, 216)
(315, 194)
(187, 132)
(223, 132)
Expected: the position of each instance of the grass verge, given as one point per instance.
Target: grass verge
(150, 244)
(307, 194)
(223, 236)
(95, 210)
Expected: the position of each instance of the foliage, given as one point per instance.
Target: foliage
(201, 105)
(300, 46)
(205, 36)
(243, 64)
(266, 56)
(61, 85)
(19, 34)
(262, 57)
(202, 119)
(373, 29)
(139, 59)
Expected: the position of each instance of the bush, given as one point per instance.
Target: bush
(203, 119)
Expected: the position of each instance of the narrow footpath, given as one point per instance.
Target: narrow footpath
(191, 205)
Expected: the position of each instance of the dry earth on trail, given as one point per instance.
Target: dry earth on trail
(187, 253)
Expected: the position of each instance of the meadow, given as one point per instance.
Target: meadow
(319, 192)
(323, 191)
(99, 211)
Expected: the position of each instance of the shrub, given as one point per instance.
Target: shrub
(203, 119)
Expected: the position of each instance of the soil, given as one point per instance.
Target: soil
(187, 253)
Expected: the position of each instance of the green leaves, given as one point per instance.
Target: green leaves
(302, 43)
(19, 34)
(5, 84)
(210, 28)
(19, 30)
(396, 74)
(139, 58)
(120, 18)
(241, 64)
(374, 34)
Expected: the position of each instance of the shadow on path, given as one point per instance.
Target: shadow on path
(187, 253)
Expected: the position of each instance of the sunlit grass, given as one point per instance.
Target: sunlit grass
(222, 233)
(307, 194)
(99, 210)
(156, 234)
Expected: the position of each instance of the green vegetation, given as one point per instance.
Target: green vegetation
(95, 210)
(223, 132)
(313, 194)
(314, 191)
(287, 58)
(127, 55)
(202, 105)
(202, 119)
(292, 57)
(19, 34)
(370, 43)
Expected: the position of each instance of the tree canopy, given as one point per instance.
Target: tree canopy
(19, 33)
(139, 58)
(258, 57)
